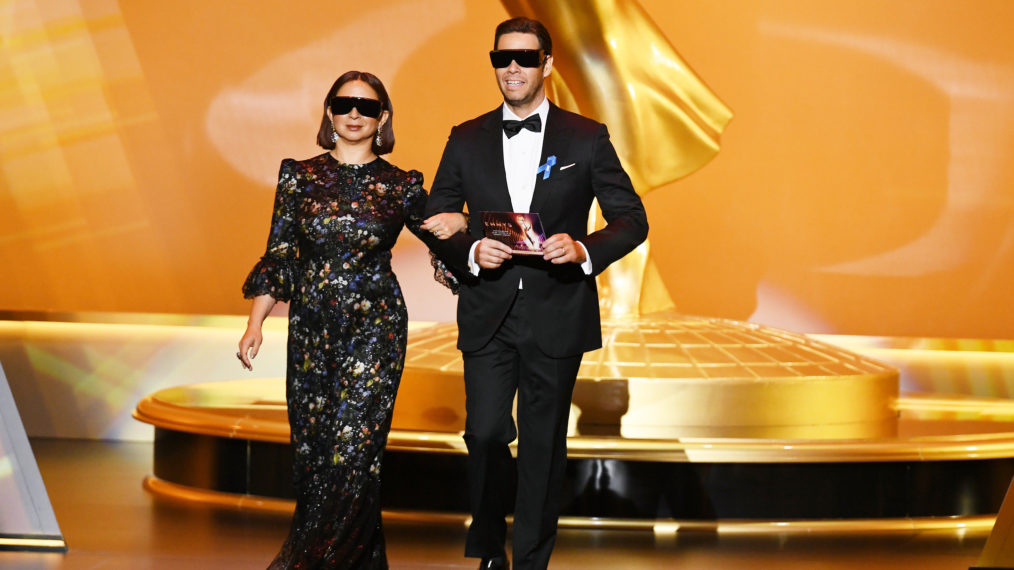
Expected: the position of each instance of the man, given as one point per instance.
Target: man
(524, 321)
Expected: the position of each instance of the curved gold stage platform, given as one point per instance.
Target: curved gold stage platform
(679, 422)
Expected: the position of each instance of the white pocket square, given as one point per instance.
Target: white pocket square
(568, 166)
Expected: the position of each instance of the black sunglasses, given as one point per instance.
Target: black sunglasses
(501, 58)
(367, 107)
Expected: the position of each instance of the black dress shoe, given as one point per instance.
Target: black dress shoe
(498, 563)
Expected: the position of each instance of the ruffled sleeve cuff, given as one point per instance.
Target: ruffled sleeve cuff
(443, 275)
(271, 276)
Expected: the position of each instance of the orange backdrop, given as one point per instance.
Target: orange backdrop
(864, 185)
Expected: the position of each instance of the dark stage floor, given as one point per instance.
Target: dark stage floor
(110, 522)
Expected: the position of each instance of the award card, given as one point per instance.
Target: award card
(522, 232)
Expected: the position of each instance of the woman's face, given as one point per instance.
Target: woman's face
(355, 127)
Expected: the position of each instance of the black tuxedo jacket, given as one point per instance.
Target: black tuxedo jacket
(563, 300)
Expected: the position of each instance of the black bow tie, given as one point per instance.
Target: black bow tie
(512, 127)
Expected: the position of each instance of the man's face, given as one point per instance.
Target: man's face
(522, 86)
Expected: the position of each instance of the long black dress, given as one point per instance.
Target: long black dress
(329, 255)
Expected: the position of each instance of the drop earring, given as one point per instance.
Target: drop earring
(334, 134)
(376, 139)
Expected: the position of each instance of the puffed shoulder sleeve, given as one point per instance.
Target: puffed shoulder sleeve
(415, 210)
(275, 273)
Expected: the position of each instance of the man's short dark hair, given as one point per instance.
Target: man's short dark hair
(525, 26)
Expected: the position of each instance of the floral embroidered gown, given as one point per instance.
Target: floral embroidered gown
(329, 255)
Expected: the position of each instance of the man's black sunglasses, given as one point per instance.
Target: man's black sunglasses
(501, 58)
(367, 107)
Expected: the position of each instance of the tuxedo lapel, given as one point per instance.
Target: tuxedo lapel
(555, 144)
(491, 149)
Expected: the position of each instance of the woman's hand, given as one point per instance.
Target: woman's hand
(252, 338)
(249, 345)
(444, 225)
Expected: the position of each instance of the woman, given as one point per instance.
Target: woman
(336, 218)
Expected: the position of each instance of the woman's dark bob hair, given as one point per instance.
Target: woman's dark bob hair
(327, 128)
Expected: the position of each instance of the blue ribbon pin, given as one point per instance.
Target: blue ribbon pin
(545, 168)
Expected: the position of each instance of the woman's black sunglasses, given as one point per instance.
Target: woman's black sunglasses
(501, 58)
(367, 107)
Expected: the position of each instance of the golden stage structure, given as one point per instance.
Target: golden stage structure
(671, 376)
(941, 462)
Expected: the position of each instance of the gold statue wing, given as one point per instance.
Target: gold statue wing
(612, 63)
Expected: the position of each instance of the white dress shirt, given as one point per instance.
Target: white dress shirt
(521, 155)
